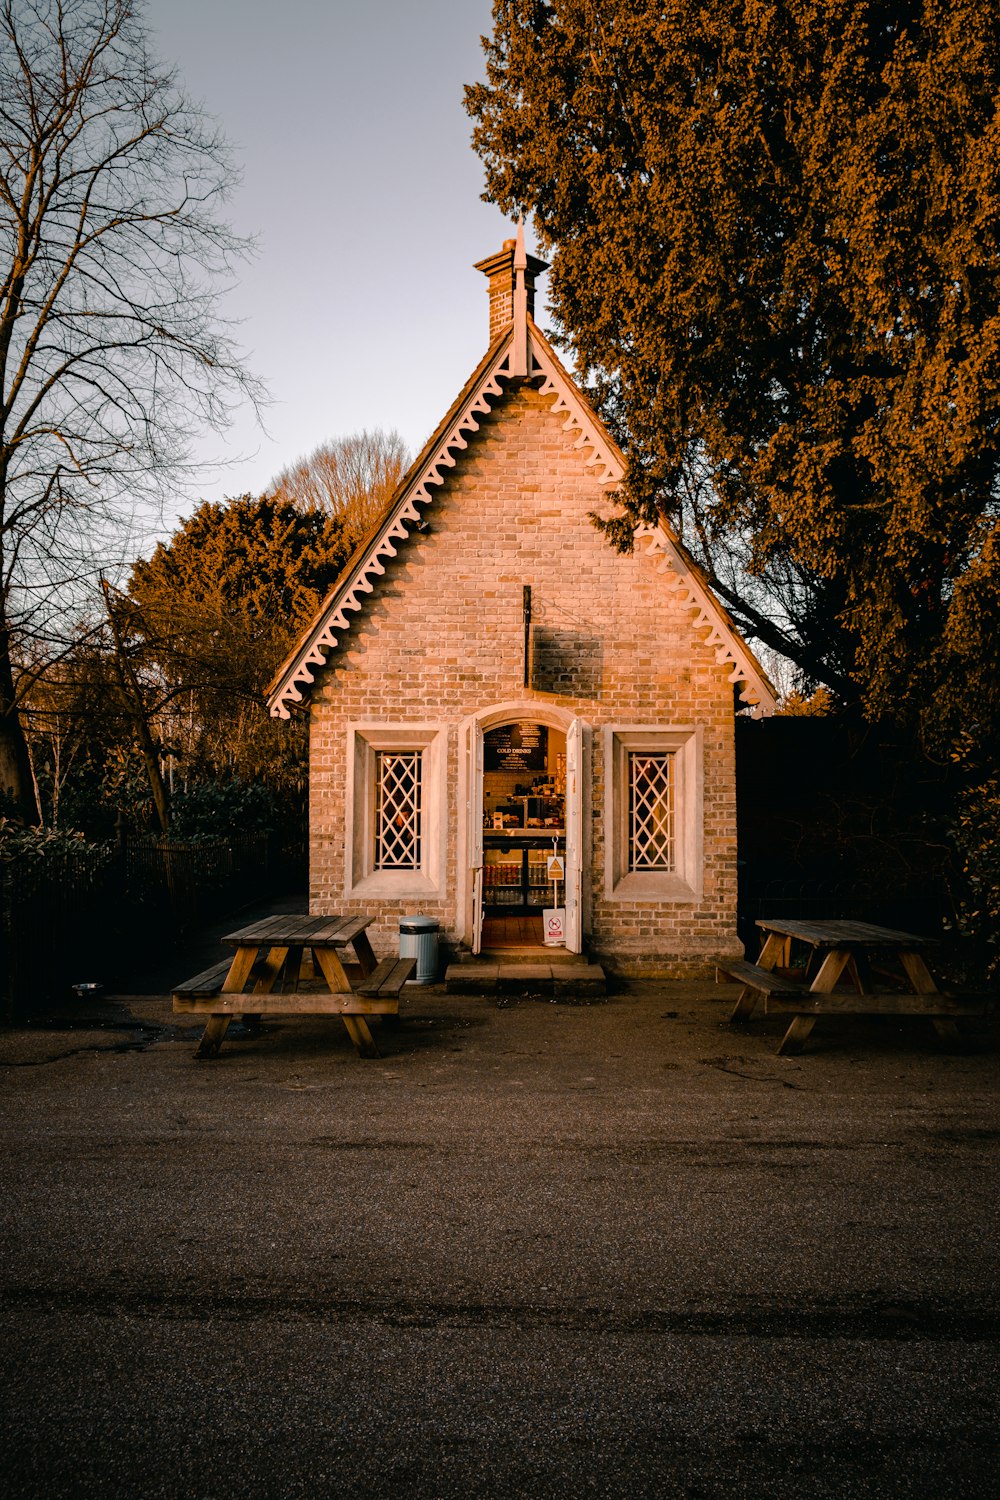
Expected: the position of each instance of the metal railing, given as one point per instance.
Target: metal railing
(64, 916)
(910, 911)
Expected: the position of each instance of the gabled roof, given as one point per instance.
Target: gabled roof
(296, 676)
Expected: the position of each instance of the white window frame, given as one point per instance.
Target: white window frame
(685, 883)
(399, 848)
(365, 741)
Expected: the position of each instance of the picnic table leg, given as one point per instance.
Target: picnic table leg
(217, 1025)
(797, 1035)
(357, 1030)
(917, 972)
(365, 955)
(744, 1007)
(338, 983)
(333, 970)
(272, 967)
(772, 951)
(830, 970)
(239, 970)
(211, 1039)
(920, 976)
(270, 970)
(774, 947)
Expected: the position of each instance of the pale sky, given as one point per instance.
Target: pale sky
(360, 183)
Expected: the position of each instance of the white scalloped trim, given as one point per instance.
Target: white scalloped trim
(301, 675)
(552, 381)
(578, 417)
(730, 650)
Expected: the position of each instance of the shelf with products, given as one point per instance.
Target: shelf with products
(521, 813)
(516, 875)
(524, 779)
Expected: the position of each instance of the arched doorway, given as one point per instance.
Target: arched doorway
(522, 854)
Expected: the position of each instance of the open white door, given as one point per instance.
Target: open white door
(474, 844)
(574, 837)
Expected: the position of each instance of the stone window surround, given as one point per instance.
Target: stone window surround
(685, 884)
(361, 879)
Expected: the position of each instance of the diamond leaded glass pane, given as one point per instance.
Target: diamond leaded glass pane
(651, 812)
(397, 810)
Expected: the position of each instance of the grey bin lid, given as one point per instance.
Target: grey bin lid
(417, 924)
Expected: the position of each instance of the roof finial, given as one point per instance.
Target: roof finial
(511, 261)
(519, 353)
(520, 255)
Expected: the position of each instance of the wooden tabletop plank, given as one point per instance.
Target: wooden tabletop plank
(294, 930)
(844, 934)
(257, 933)
(866, 932)
(304, 929)
(338, 931)
(352, 926)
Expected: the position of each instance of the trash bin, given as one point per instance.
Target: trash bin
(418, 938)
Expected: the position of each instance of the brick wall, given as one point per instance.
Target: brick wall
(442, 638)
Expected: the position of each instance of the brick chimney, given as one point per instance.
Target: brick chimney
(500, 270)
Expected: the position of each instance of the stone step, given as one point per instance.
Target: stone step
(532, 954)
(560, 981)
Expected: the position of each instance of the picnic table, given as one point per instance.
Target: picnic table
(265, 975)
(886, 973)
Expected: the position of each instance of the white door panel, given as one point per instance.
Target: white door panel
(574, 836)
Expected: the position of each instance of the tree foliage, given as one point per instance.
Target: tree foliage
(261, 558)
(212, 613)
(84, 765)
(352, 478)
(165, 696)
(111, 348)
(774, 235)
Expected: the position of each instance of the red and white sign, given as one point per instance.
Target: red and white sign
(554, 926)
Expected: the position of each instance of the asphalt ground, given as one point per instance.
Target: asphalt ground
(534, 1250)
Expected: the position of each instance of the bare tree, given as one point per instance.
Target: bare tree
(352, 478)
(111, 350)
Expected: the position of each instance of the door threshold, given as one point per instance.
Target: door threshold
(527, 952)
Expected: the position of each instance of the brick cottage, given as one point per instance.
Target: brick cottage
(509, 718)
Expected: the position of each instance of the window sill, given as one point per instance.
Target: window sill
(387, 884)
(653, 887)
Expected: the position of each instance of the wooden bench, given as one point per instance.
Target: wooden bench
(757, 984)
(783, 996)
(387, 979)
(209, 982)
(376, 995)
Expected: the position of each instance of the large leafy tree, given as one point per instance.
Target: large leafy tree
(111, 348)
(168, 688)
(206, 621)
(774, 234)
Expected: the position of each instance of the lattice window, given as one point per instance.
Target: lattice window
(651, 812)
(397, 809)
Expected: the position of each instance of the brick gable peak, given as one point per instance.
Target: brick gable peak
(496, 373)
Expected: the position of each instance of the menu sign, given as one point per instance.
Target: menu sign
(516, 747)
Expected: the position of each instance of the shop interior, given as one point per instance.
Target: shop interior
(524, 825)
